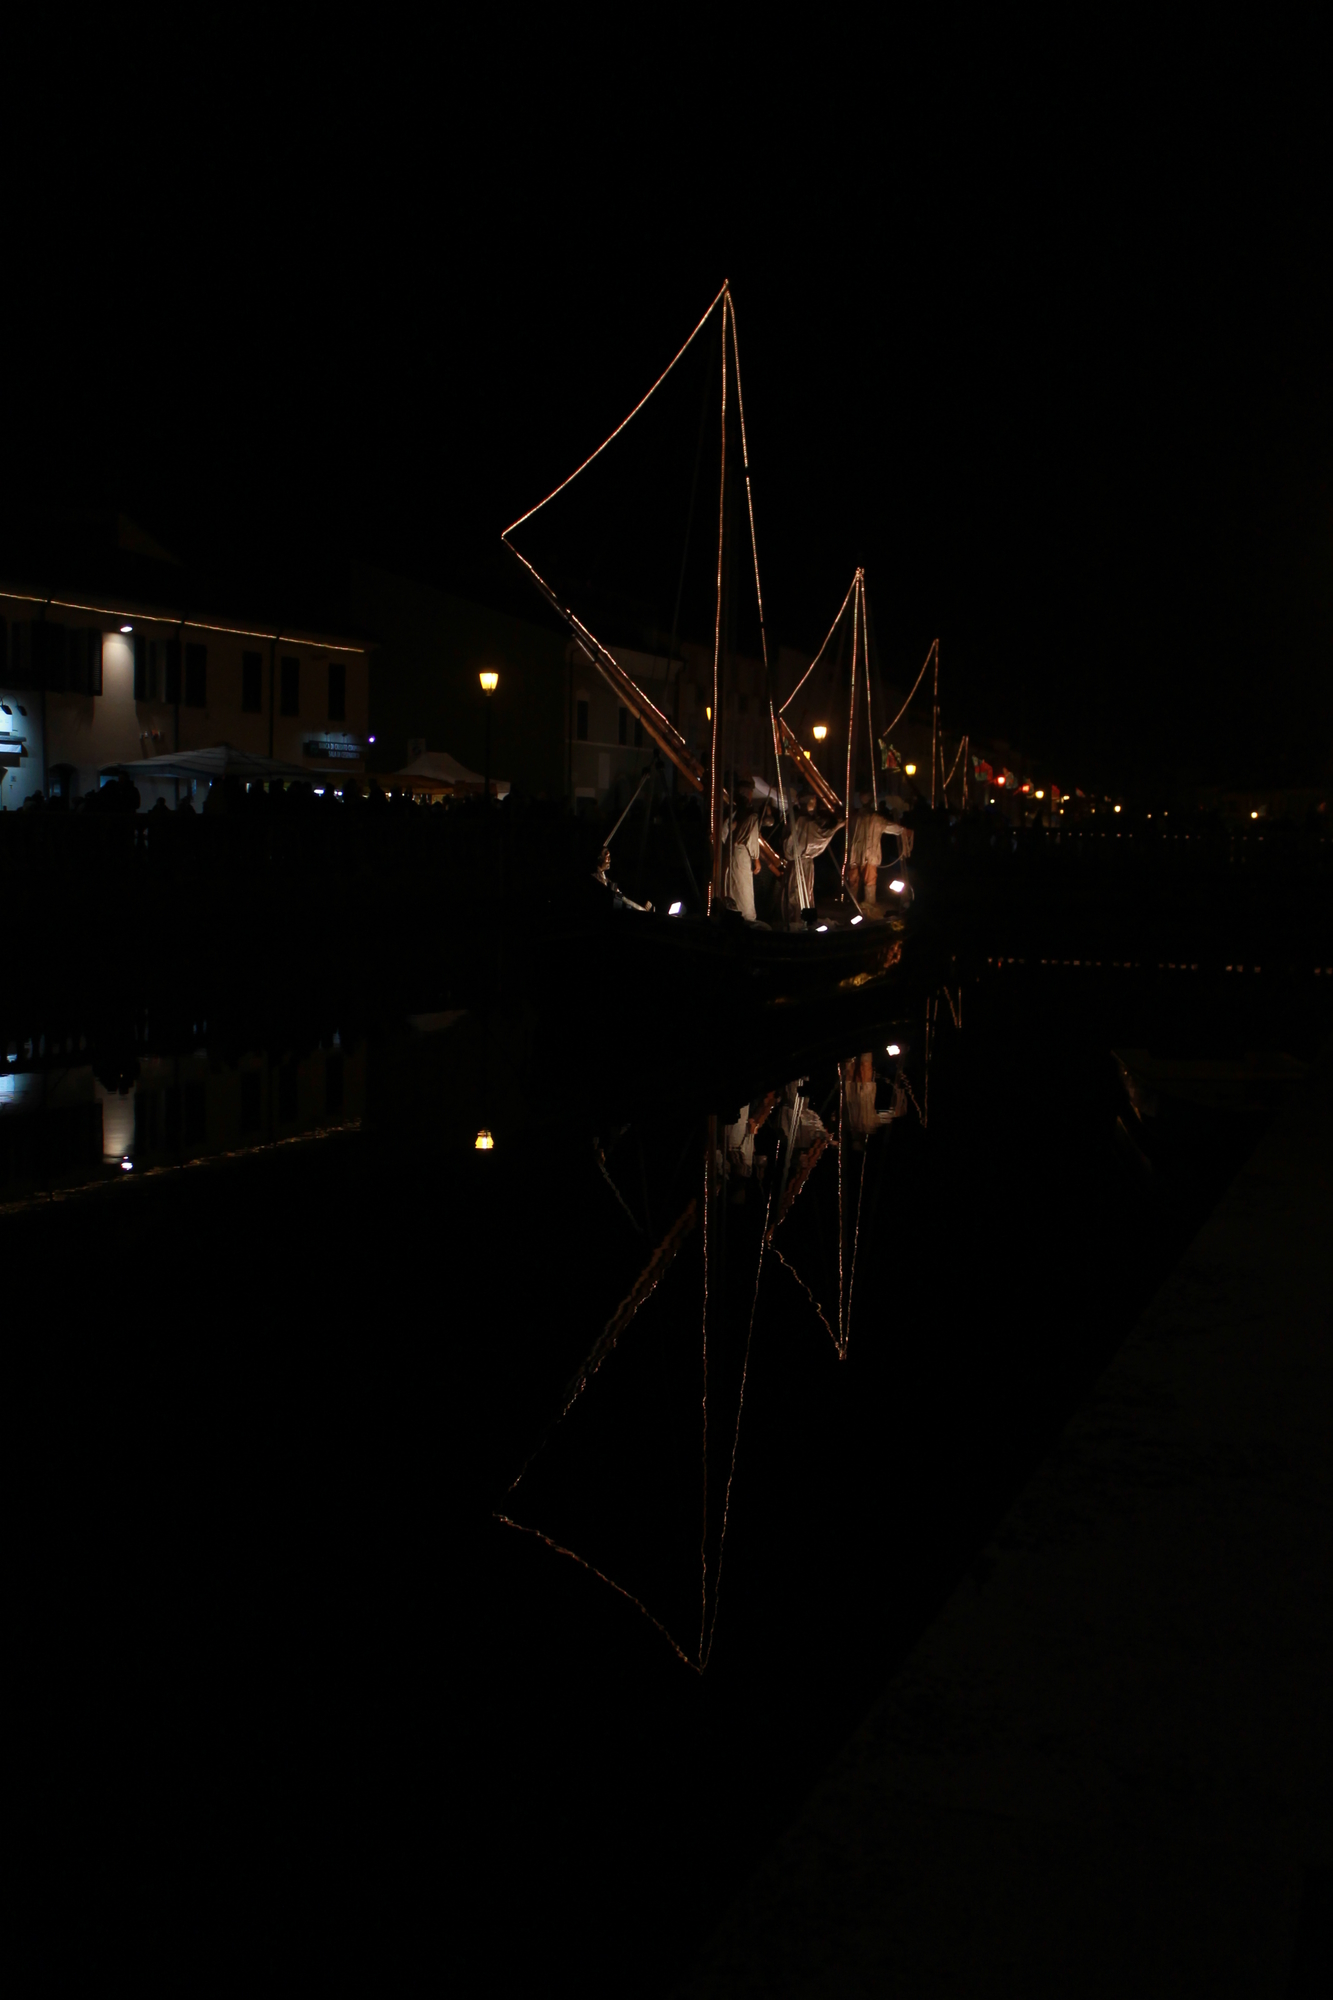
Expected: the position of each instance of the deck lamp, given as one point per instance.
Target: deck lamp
(675, 910)
(820, 731)
(858, 918)
(897, 885)
(909, 770)
(892, 1049)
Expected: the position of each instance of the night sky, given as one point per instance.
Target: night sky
(1040, 335)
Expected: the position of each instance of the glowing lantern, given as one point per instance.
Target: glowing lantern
(820, 731)
(490, 681)
(910, 770)
(484, 1143)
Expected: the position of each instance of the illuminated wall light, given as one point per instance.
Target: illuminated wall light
(127, 628)
(1254, 815)
(708, 714)
(484, 1143)
(1039, 795)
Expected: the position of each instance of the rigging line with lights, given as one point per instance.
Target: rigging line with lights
(655, 724)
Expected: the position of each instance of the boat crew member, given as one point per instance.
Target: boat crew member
(619, 900)
(743, 850)
(864, 855)
(806, 841)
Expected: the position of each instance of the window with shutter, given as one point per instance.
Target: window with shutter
(337, 691)
(171, 660)
(290, 703)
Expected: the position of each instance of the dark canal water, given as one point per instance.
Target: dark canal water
(296, 1700)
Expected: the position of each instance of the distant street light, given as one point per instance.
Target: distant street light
(820, 731)
(490, 681)
(484, 1143)
(909, 770)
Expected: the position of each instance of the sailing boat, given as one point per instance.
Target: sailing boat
(714, 951)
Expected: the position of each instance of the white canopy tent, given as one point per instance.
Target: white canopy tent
(437, 771)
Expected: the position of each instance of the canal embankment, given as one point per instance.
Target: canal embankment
(1104, 1768)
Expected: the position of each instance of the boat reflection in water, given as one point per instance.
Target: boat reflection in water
(774, 1207)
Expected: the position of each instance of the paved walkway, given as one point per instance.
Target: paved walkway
(1105, 1770)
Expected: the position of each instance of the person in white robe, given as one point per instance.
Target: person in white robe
(804, 844)
(864, 854)
(742, 851)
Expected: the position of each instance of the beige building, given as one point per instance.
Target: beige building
(86, 685)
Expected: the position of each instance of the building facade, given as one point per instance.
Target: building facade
(84, 686)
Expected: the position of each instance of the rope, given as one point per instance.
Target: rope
(507, 532)
(820, 654)
(915, 685)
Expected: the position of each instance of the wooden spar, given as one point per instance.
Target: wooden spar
(664, 734)
(809, 770)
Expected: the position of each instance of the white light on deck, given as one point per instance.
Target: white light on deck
(821, 927)
(858, 918)
(897, 885)
(127, 1165)
(675, 909)
(893, 1049)
(484, 1143)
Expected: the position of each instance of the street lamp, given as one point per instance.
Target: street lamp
(490, 681)
(820, 731)
(909, 770)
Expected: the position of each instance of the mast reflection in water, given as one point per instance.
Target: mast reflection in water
(635, 1483)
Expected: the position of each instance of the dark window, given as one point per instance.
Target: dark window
(82, 672)
(171, 677)
(581, 720)
(623, 725)
(20, 654)
(287, 1091)
(291, 685)
(638, 734)
(333, 1082)
(48, 654)
(196, 676)
(144, 664)
(250, 1099)
(252, 683)
(337, 691)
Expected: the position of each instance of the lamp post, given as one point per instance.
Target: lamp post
(820, 731)
(490, 681)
